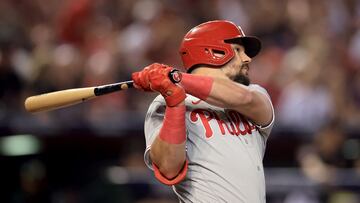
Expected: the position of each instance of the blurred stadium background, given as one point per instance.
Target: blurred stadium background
(93, 152)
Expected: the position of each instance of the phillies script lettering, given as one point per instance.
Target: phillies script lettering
(230, 121)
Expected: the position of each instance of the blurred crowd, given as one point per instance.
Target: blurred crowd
(310, 64)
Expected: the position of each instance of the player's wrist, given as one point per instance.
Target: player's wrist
(174, 95)
(197, 85)
(182, 103)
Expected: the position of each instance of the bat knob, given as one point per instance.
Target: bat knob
(175, 75)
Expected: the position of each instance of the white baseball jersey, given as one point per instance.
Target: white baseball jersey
(224, 150)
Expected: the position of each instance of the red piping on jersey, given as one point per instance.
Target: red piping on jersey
(196, 102)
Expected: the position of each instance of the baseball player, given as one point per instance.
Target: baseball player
(206, 135)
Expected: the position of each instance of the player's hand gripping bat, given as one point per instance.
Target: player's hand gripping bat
(59, 99)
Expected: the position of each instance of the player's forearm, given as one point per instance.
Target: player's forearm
(225, 93)
(220, 92)
(168, 149)
(228, 94)
(169, 158)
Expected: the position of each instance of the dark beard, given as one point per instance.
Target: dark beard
(242, 79)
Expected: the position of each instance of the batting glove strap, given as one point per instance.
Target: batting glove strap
(173, 95)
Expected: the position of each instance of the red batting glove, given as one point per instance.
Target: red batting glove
(141, 79)
(160, 82)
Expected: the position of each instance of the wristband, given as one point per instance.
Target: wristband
(181, 175)
(173, 129)
(196, 85)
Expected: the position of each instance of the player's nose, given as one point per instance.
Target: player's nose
(245, 59)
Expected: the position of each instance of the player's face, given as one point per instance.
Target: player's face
(238, 68)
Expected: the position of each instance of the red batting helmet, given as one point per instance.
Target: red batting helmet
(201, 44)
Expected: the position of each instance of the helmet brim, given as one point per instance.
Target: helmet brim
(251, 44)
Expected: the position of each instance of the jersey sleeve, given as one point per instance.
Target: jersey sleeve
(153, 123)
(265, 130)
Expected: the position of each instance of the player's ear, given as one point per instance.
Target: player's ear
(219, 53)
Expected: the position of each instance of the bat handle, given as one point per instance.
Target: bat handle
(106, 89)
(174, 76)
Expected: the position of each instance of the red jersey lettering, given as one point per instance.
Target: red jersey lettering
(232, 122)
(223, 123)
(204, 119)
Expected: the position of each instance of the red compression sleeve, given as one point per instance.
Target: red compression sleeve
(173, 129)
(196, 85)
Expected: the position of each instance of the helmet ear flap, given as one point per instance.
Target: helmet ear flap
(216, 53)
(209, 54)
(220, 54)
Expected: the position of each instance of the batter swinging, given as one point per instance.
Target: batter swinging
(206, 136)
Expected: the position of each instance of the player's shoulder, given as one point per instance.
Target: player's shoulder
(157, 102)
(157, 106)
(159, 99)
(259, 88)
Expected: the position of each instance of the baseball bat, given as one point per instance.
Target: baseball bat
(64, 98)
